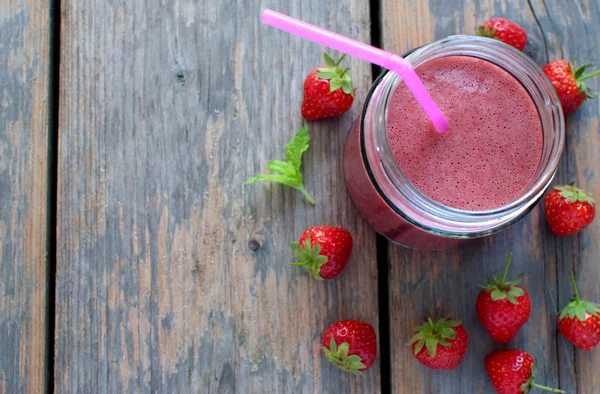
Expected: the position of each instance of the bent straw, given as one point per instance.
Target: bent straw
(362, 51)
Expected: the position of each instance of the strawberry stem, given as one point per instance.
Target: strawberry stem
(597, 72)
(575, 286)
(506, 270)
(539, 386)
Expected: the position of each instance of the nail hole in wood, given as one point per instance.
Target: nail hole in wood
(254, 245)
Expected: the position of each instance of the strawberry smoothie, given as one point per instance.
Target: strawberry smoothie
(427, 190)
(494, 146)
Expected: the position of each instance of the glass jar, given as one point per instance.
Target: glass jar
(393, 206)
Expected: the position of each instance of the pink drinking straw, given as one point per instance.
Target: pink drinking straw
(362, 51)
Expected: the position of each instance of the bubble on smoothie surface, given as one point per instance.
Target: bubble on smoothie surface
(494, 146)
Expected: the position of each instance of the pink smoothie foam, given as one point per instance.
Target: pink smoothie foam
(491, 153)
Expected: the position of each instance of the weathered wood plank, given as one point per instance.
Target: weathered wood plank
(24, 93)
(422, 283)
(565, 23)
(166, 109)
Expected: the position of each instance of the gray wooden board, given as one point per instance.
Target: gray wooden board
(433, 283)
(24, 70)
(165, 109)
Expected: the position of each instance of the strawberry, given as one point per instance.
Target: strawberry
(504, 30)
(503, 307)
(350, 345)
(579, 321)
(323, 251)
(569, 83)
(568, 210)
(440, 344)
(513, 372)
(327, 91)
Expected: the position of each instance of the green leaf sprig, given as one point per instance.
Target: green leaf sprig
(288, 172)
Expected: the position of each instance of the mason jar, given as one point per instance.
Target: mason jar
(393, 205)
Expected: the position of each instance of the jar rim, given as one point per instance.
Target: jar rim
(421, 210)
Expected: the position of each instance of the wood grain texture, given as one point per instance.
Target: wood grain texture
(24, 93)
(445, 283)
(564, 25)
(166, 108)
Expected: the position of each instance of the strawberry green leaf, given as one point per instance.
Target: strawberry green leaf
(343, 348)
(339, 357)
(574, 194)
(498, 294)
(419, 346)
(288, 172)
(431, 344)
(515, 281)
(335, 84)
(580, 312)
(337, 77)
(591, 308)
(326, 73)
(328, 60)
(434, 332)
(417, 336)
(486, 31)
(579, 72)
(448, 333)
(309, 257)
(347, 87)
(452, 323)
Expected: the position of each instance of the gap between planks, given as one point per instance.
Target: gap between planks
(52, 196)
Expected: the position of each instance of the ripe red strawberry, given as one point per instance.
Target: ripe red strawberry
(503, 307)
(323, 251)
(350, 345)
(327, 91)
(504, 30)
(440, 344)
(568, 210)
(579, 321)
(513, 372)
(569, 83)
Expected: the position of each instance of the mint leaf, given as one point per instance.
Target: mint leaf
(288, 172)
(282, 167)
(296, 147)
(286, 180)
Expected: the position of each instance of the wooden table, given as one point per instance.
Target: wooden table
(134, 259)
